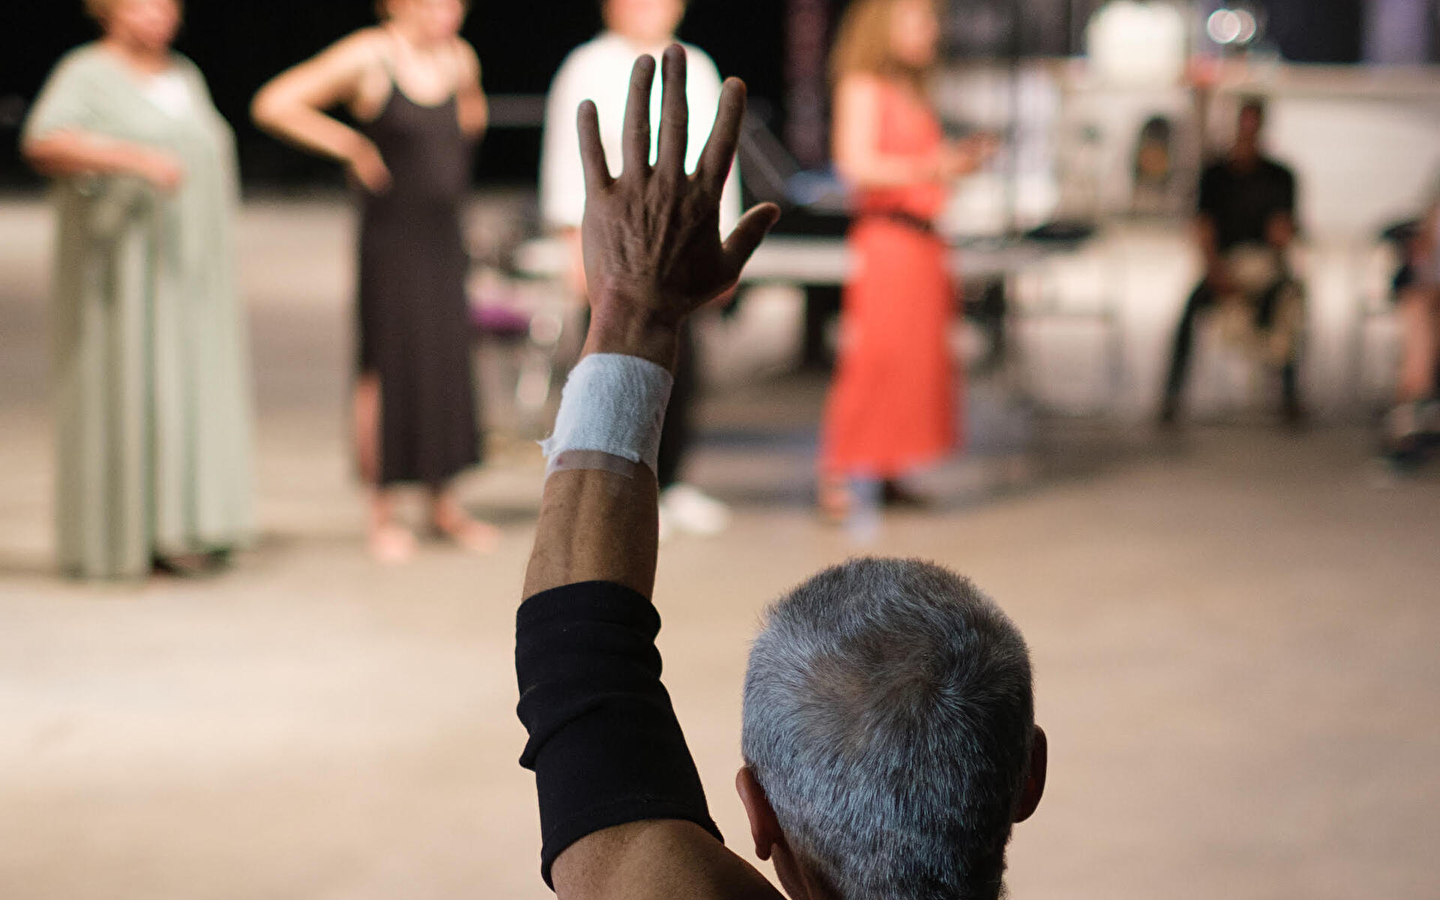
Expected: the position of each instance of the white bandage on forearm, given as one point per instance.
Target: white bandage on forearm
(613, 405)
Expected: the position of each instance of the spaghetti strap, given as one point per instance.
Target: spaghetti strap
(387, 61)
(386, 56)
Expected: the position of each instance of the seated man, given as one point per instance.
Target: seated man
(1246, 216)
(1413, 425)
(889, 735)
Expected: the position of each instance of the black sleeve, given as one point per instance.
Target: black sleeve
(604, 744)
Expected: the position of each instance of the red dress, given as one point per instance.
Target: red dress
(892, 405)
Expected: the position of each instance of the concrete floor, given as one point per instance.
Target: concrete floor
(1234, 636)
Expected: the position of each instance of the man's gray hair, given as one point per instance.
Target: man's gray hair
(889, 717)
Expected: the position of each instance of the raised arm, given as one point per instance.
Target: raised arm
(292, 106)
(653, 256)
(622, 811)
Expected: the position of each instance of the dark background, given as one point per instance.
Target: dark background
(241, 43)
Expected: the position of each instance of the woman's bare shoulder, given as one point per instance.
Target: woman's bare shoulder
(368, 41)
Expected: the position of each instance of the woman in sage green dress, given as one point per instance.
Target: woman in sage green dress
(152, 392)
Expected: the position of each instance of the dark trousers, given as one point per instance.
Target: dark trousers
(1202, 299)
(677, 434)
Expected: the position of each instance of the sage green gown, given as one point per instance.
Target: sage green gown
(152, 391)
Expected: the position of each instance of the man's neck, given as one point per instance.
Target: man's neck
(1245, 159)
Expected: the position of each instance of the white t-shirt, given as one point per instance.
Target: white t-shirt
(600, 71)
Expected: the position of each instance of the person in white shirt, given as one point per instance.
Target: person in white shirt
(600, 71)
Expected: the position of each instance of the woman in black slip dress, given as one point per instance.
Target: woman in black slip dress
(414, 86)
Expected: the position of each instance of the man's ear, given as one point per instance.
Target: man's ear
(764, 827)
(1035, 781)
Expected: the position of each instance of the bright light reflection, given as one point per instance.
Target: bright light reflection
(1225, 26)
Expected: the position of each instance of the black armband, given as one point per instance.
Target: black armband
(604, 744)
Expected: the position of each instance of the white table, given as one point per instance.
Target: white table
(804, 260)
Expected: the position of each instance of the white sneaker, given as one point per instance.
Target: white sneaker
(684, 508)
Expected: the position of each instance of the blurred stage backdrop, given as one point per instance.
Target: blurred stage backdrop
(240, 44)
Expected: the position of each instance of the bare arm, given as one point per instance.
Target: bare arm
(857, 154)
(860, 161)
(647, 271)
(469, 95)
(653, 256)
(1280, 231)
(66, 153)
(292, 106)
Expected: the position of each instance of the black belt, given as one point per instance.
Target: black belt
(901, 217)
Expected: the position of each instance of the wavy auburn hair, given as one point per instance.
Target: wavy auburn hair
(863, 43)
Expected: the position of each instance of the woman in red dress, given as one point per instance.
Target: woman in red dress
(892, 407)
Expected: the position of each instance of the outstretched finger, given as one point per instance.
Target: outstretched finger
(719, 153)
(675, 113)
(748, 234)
(592, 149)
(637, 115)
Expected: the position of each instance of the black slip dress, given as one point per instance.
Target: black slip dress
(413, 319)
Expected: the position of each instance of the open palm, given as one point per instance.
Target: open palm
(652, 236)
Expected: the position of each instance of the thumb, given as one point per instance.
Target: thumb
(748, 234)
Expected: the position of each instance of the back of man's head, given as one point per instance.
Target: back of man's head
(889, 719)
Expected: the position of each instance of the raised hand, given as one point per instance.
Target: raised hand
(652, 247)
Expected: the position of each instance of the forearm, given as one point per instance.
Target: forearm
(604, 743)
(77, 153)
(1280, 232)
(597, 525)
(605, 746)
(474, 114)
(308, 128)
(881, 171)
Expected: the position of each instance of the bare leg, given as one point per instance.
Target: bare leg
(366, 424)
(834, 498)
(388, 542)
(451, 520)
